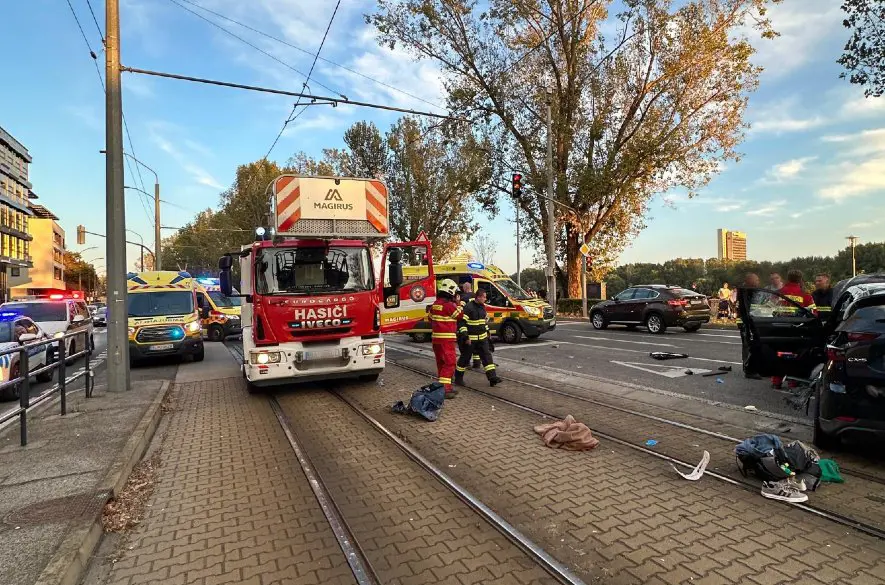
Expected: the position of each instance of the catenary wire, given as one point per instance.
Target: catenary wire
(256, 47)
(258, 88)
(323, 59)
(292, 115)
(95, 20)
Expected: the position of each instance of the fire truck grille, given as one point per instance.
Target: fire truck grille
(331, 227)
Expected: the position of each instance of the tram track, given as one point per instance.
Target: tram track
(843, 517)
(364, 556)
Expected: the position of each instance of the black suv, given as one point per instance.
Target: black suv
(657, 306)
(842, 352)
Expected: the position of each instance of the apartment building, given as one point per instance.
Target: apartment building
(47, 272)
(16, 192)
(732, 245)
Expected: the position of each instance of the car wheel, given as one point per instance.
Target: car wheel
(252, 388)
(200, 355)
(216, 333)
(655, 323)
(598, 320)
(510, 332)
(692, 328)
(818, 436)
(12, 392)
(91, 343)
(47, 375)
(420, 337)
(535, 336)
(71, 351)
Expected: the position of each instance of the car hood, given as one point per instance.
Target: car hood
(52, 327)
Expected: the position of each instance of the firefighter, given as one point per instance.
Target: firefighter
(794, 290)
(477, 321)
(466, 295)
(444, 315)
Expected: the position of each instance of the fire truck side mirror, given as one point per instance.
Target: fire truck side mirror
(224, 265)
(226, 262)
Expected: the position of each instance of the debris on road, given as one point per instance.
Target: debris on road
(426, 402)
(750, 408)
(689, 373)
(567, 434)
(125, 512)
(651, 443)
(720, 381)
(711, 374)
(724, 368)
(698, 471)
(666, 355)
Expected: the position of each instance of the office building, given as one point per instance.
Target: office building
(47, 256)
(732, 245)
(16, 192)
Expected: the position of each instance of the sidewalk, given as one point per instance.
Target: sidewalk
(52, 491)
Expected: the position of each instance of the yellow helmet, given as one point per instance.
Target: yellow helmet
(447, 286)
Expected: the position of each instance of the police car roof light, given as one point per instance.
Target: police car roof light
(8, 316)
(56, 297)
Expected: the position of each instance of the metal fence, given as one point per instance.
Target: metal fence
(57, 360)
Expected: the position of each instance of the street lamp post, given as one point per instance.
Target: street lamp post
(80, 273)
(853, 241)
(140, 239)
(91, 278)
(156, 197)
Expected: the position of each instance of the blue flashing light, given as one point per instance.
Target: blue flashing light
(208, 281)
(9, 316)
(177, 333)
(476, 266)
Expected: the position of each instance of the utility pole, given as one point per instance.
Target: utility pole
(518, 268)
(551, 214)
(853, 241)
(156, 228)
(118, 328)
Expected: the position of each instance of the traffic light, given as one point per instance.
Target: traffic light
(516, 190)
(589, 261)
(81, 235)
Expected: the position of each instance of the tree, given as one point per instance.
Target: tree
(657, 109)
(864, 53)
(367, 153)
(485, 248)
(433, 176)
(79, 275)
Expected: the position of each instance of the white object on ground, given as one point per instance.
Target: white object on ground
(750, 408)
(698, 471)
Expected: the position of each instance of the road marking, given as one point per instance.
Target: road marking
(624, 349)
(625, 341)
(570, 323)
(718, 335)
(681, 338)
(525, 346)
(666, 371)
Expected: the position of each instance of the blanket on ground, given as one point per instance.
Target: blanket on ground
(567, 434)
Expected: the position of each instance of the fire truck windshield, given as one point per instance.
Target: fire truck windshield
(313, 270)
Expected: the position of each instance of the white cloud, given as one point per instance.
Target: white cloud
(729, 207)
(158, 132)
(88, 115)
(782, 116)
(860, 166)
(787, 170)
(769, 209)
(864, 224)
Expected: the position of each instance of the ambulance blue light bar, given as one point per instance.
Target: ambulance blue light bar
(8, 316)
(476, 266)
(208, 281)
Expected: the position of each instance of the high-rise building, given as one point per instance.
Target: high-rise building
(732, 245)
(47, 256)
(16, 192)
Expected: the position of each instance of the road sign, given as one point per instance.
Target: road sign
(585, 249)
(662, 370)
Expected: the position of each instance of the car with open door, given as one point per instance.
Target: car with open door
(843, 354)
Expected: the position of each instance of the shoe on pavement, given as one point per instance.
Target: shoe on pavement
(784, 491)
(453, 393)
(798, 483)
(459, 381)
(495, 381)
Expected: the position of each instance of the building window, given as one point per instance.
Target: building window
(15, 271)
(57, 273)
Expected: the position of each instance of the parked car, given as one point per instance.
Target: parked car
(843, 353)
(17, 330)
(57, 317)
(99, 315)
(656, 306)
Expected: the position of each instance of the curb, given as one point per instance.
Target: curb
(71, 558)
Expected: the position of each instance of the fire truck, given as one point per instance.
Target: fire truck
(314, 305)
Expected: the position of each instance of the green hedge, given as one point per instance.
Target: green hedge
(573, 306)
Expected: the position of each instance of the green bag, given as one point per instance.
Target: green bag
(830, 471)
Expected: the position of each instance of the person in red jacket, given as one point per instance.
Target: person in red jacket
(794, 291)
(444, 315)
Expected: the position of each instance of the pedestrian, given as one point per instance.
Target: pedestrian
(823, 294)
(794, 291)
(775, 282)
(751, 280)
(724, 297)
(466, 296)
(477, 321)
(444, 315)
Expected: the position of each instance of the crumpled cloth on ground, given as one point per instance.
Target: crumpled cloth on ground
(699, 469)
(567, 434)
(426, 402)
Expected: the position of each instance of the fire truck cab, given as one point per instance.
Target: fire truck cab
(314, 306)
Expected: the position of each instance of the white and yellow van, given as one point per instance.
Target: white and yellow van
(219, 314)
(512, 312)
(163, 316)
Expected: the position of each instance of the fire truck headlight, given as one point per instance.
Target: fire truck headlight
(373, 349)
(265, 357)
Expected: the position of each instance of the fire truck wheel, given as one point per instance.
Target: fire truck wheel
(370, 377)
(252, 388)
(216, 333)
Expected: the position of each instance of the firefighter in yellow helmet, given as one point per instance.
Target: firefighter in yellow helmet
(444, 315)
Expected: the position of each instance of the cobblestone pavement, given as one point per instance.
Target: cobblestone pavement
(858, 497)
(619, 515)
(413, 530)
(232, 504)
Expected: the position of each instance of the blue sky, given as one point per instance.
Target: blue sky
(813, 168)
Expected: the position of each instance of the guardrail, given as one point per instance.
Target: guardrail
(58, 360)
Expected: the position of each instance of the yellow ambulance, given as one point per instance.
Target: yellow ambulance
(219, 314)
(512, 312)
(163, 316)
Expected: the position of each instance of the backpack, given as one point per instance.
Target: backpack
(804, 461)
(763, 456)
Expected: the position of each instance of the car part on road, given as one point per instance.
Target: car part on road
(698, 471)
(711, 374)
(666, 355)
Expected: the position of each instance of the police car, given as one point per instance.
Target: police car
(17, 330)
